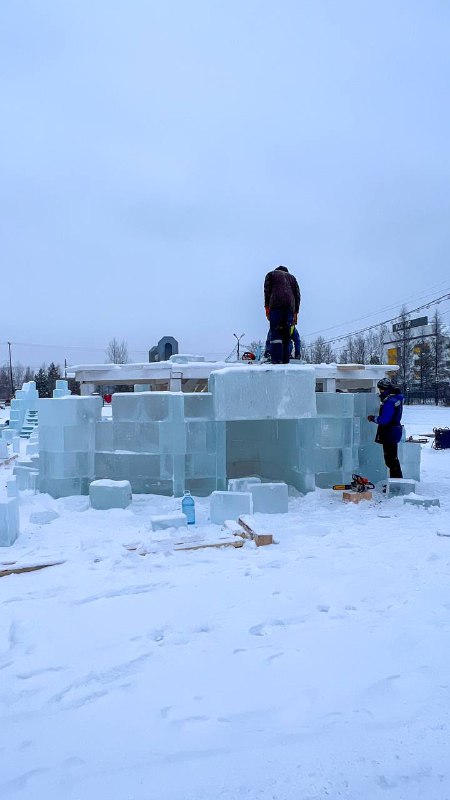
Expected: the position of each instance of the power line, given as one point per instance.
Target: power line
(387, 321)
(420, 296)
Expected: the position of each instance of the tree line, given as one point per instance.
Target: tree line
(422, 354)
(45, 378)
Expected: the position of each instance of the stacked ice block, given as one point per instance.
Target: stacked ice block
(26, 399)
(268, 412)
(61, 389)
(268, 422)
(163, 443)
(67, 444)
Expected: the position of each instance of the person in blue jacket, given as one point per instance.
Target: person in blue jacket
(389, 424)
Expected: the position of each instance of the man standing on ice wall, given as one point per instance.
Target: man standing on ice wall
(388, 420)
(282, 303)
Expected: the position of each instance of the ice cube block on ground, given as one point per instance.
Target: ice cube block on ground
(229, 505)
(161, 522)
(396, 487)
(242, 484)
(105, 494)
(409, 454)
(425, 502)
(4, 452)
(269, 498)
(9, 520)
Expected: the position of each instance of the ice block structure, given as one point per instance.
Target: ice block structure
(163, 443)
(67, 428)
(265, 422)
(291, 433)
(24, 409)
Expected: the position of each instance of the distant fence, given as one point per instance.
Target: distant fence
(432, 395)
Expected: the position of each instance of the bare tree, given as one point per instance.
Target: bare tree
(321, 352)
(359, 349)
(117, 352)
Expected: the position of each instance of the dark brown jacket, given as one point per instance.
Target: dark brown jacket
(281, 290)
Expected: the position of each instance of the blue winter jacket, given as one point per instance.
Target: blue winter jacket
(389, 419)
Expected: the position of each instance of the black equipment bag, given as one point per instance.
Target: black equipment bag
(441, 438)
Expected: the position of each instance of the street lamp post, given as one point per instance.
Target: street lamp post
(238, 338)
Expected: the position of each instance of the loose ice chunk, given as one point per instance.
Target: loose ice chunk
(161, 522)
(409, 454)
(251, 393)
(9, 520)
(397, 487)
(3, 449)
(242, 484)
(425, 502)
(229, 505)
(105, 494)
(270, 498)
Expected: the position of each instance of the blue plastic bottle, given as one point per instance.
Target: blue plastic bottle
(188, 508)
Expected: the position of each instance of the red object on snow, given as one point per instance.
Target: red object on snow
(107, 398)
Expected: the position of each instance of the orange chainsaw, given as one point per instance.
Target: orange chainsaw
(358, 484)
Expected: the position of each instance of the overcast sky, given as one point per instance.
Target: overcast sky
(158, 157)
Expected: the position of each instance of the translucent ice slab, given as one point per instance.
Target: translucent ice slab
(335, 404)
(9, 520)
(105, 494)
(269, 498)
(229, 505)
(71, 410)
(147, 407)
(256, 392)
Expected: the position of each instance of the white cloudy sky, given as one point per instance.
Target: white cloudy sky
(158, 157)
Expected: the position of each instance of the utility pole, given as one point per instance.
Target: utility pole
(238, 342)
(65, 368)
(10, 371)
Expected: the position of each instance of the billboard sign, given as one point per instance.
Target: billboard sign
(418, 322)
(392, 355)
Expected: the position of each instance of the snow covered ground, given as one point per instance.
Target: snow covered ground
(314, 668)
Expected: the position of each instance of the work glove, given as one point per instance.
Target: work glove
(267, 312)
(371, 418)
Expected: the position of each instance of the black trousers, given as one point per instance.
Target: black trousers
(391, 460)
(280, 321)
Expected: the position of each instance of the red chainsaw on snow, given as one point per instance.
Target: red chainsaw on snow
(358, 484)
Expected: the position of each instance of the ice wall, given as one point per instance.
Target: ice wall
(163, 443)
(25, 399)
(264, 421)
(67, 427)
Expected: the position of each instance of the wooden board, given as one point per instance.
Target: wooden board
(356, 497)
(32, 568)
(9, 460)
(229, 543)
(260, 539)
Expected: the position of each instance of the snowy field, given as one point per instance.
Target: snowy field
(315, 668)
